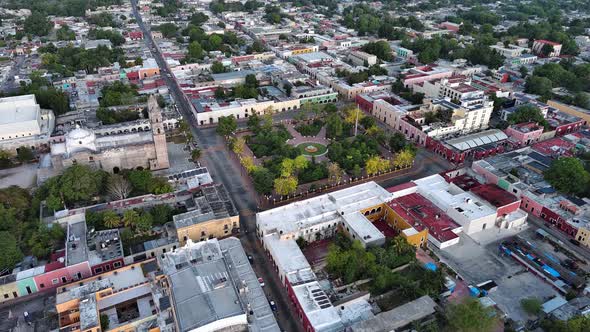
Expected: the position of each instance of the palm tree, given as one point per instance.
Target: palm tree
(111, 219)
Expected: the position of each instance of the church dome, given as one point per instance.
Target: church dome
(80, 139)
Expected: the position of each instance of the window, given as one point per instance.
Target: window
(98, 270)
(54, 281)
(5, 296)
(42, 285)
(64, 279)
(117, 264)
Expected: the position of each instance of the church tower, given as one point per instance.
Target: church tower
(155, 114)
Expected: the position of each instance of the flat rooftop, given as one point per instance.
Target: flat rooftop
(494, 195)
(554, 146)
(318, 308)
(422, 214)
(76, 246)
(18, 109)
(363, 227)
(292, 217)
(104, 246)
(212, 202)
(208, 282)
(447, 196)
(398, 317)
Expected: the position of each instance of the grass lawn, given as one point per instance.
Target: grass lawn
(312, 149)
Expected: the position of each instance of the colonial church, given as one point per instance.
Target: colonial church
(115, 152)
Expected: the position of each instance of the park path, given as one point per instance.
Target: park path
(298, 138)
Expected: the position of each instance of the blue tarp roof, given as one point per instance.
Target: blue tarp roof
(551, 271)
(430, 266)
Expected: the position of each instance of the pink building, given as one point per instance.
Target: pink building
(61, 276)
(425, 73)
(523, 134)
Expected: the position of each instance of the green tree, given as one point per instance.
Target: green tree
(581, 99)
(161, 214)
(168, 30)
(130, 218)
(286, 185)
(80, 183)
(404, 158)
(527, 113)
(263, 180)
(531, 305)
(24, 154)
(111, 219)
(37, 24)
(65, 33)
(195, 51)
(568, 175)
(227, 125)
(539, 85)
(470, 316)
(381, 49)
(10, 253)
(300, 163)
(140, 181)
(376, 165)
(397, 141)
(217, 67)
(335, 172)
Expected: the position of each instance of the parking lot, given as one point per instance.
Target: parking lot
(476, 258)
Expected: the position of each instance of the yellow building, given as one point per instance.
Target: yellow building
(405, 229)
(583, 236)
(214, 216)
(398, 224)
(571, 110)
(122, 300)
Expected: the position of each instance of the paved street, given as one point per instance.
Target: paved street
(224, 170)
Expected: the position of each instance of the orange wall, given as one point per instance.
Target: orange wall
(399, 224)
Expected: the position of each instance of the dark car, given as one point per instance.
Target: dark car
(576, 242)
(273, 305)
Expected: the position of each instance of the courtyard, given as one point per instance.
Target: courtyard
(476, 259)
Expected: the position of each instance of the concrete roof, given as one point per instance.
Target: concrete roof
(19, 114)
(292, 217)
(213, 202)
(449, 196)
(318, 308)
(215, 277)
(76, 247)
(398, 317)
(363, 227)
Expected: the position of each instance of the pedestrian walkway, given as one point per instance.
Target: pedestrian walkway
(298, 138)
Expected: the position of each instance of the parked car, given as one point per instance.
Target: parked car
(250, 259)
(273, 305)
(261, 282)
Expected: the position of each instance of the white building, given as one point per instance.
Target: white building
(511, 51)
(314, 219)
(360, 58)
(465, 208)
(24, 123)
(540, 43)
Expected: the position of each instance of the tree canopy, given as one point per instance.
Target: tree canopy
(568, 175)
(470, 316)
